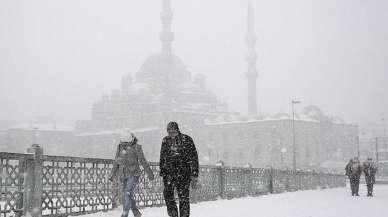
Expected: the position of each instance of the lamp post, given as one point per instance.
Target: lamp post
(293, 102)
(35, 135)
(377, 149)
(358, 147)
(384, 139)
(282, 152)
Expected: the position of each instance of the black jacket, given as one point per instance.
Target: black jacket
(353, 169)
(179, 157)
(370, 172)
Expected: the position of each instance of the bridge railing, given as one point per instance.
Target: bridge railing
(42, 185)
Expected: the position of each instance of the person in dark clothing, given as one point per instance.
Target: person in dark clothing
(129, 156)
(347, 168)
(353, 171)
(179, 168)
(370, 170)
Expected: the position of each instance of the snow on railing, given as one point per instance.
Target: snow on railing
(41, 185)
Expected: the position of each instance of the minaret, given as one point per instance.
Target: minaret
(166, 36)
(251, 59)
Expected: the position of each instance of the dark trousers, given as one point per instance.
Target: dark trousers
(354, 184)
(370, 189)
(182, 186)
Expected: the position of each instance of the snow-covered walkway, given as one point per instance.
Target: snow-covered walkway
(320, 203)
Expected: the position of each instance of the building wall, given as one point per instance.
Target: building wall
(260, 143)
(54, 142)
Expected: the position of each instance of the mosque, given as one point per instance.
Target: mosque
(163, 90)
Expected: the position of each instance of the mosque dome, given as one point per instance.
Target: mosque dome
(282, 115)
(313, 112)
(338, 120)
(160, 67)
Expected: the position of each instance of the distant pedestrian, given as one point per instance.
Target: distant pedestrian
(353, 171)
(370, 170)
(129, 155)
(179, 169)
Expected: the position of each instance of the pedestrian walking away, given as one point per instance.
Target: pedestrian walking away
(126, 167)
(353, 171)
(370, 170)
(179, 169)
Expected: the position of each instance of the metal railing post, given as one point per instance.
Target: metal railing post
(221, 180)
(20, 192)
(34, 182)
(270, 184)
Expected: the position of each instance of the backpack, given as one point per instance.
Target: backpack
(355, 169)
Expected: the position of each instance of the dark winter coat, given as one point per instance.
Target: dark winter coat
(370, 172)
(178, 157)
(127, 160)
(348, 172)
(353, 169)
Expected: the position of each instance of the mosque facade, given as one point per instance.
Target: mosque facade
(163, 89)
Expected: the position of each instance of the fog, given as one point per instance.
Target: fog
(57, 57)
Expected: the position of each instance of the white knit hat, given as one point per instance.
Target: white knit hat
(126, 135)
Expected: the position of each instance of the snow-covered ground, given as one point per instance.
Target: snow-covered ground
(320, 203)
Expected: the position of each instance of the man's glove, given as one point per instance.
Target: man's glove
(194, 182)
(167, 179)
(151, 177)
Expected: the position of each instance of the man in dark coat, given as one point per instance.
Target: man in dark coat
(179, 169)
(354, 170)
(370, 170)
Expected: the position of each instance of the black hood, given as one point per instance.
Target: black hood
(173, 126)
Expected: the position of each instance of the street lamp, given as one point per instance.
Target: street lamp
(293, 102)
(282, 152)
(384, 139)
(358, 146)
(377, 149)
(36, 135)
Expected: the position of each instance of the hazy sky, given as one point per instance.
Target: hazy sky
(58, 56)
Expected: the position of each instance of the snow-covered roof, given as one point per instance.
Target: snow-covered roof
(313, 112)
(239, 119)
(42, 127)
(309, 114)
(117, 131)
(338, 120)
